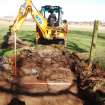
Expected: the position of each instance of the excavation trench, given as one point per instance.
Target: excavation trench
(49, 75)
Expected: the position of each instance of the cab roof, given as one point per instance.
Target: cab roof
(49, 7)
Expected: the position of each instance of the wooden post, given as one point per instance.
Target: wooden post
(93, 43)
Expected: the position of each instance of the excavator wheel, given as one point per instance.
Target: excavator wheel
(61, 41)
(43, 41)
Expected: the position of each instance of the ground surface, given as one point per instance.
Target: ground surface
(44, 78)
(38, 68)
(79, 38)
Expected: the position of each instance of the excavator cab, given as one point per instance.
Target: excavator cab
(56, 10)
(57, 35)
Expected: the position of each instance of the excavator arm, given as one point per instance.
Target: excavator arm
(40, 21)
(20, 18)
(38, 18)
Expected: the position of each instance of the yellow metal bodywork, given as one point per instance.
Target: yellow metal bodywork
(40, 21)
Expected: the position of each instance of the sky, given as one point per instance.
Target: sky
(74, 10)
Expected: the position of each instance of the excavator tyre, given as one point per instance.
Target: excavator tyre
(43, 41)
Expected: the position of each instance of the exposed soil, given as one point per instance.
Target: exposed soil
(49, 75)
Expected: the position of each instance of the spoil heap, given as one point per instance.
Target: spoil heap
(91, 81)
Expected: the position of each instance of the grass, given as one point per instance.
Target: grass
(79, 40)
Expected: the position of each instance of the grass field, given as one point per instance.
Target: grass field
(79, 38)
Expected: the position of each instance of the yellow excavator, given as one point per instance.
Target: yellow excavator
(48, 28)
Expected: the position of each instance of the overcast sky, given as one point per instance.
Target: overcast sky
(74, 10)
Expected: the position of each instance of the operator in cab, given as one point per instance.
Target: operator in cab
(52, 19)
